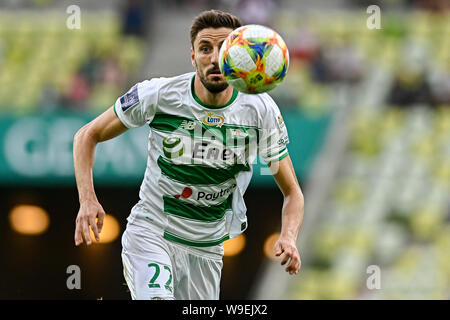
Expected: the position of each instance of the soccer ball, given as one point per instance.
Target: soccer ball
(254, 59)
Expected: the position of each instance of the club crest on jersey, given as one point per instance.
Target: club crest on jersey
(213, 120)
(173, 147)
(238, 133)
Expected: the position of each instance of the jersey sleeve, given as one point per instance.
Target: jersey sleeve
(273, 133)
(138, 106)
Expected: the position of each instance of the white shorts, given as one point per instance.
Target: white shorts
(157, 268)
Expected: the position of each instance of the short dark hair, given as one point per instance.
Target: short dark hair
(213, 19)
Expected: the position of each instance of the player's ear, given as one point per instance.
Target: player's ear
(193, 58)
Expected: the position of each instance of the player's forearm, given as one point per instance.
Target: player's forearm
(84, 145)
(292, 214)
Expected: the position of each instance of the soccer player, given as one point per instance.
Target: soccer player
(204, 136)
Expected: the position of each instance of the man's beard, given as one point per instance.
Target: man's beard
(214, 87)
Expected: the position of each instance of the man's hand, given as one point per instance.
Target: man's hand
(88, 213)
(288, 250)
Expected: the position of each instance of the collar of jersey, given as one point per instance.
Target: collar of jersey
(210, 106)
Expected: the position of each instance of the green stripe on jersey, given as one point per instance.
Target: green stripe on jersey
(283, 156)
(278, 153)
(172, 237)
(188, 210)
(198, 174)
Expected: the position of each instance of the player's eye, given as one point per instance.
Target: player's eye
(204, 49)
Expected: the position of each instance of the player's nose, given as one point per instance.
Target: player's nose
(215, 56)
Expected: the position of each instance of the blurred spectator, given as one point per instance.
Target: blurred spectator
(135, 17)
(319, 68)
(411, 85)
(305, 46)
(256, 11)
(339, 63)
(410, 88)
(327, 63)
(344, 63)
(112, 75)
(96, 74)
(90, 69)
(77, 92)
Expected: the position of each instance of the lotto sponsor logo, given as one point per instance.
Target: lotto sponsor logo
(213, 120)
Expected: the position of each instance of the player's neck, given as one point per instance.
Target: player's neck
(209, 98)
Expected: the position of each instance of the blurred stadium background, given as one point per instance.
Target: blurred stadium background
(368, 112)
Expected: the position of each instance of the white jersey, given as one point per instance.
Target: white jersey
(199, 157)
